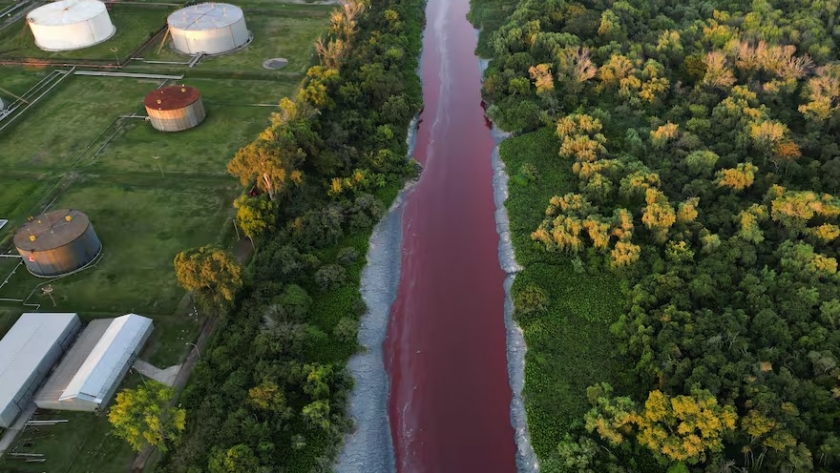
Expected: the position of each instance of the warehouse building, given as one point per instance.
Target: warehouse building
(93, 369)
(27, 353)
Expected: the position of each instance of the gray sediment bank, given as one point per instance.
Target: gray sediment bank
(369, 447)
(526, 459)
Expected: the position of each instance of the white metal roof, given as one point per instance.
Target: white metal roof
(205, 16)
(25, 345)
(100, 370)
(66, 12)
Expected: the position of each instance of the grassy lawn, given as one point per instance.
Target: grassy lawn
(568, 347)
(286, 31)
(60, 128)
(168, 344)
(142, 228)
(135, 24)
(8, 317)
(18, 80)
(204, 149)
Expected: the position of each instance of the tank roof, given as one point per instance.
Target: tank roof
(172, 97)
(51, 230)
(205, 16)
(66, 12)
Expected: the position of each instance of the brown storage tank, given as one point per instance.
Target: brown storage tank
(57, 243)
(175, 108)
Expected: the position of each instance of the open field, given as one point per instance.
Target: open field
(8, 317)
(202, 150)
(60, 128)
(142, 228)
(135, 24)
(280, 30)
(566, 349)
(18, 80)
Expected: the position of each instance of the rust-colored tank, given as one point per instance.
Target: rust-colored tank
(175, 108)
(57, 243)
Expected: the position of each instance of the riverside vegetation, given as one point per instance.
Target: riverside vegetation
(269, 392)
(673, 202)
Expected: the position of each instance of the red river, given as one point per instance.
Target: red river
(445, 352)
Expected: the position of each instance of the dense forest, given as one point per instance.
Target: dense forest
(269, 393)
(681, 156)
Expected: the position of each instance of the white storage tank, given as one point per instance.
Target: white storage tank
(68, 25)
(209, 28)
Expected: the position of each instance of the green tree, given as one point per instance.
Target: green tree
(210, 273)
(143, 416)
(255, 215)
(264, 163)
(237, 459)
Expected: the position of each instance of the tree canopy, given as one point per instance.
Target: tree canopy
(142, 416)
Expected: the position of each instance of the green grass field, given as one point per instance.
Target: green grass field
(62, 127)
(202, 150)
(135, 24)
(568, 347)
(8, 317)
(142, 228)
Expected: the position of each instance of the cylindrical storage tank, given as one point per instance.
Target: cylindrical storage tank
(57, 243)
(209, 28)
(67, 25)
(175, 108)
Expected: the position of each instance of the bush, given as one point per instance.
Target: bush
(347, 256)
(346, 329)
(331, 276)
(529, 172)
(531, 299)
(294, 303)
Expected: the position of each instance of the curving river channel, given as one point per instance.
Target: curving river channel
(445, 352)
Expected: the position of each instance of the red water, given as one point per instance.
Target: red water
(450, 397)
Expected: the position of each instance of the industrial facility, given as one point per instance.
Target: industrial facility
(68, 25)
(209, 28)
(57, 243)
(175, 108)
(93, 369)
(27, 353)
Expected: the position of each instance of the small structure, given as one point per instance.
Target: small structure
(175, 108)
(68, 25)
(57, 243)
(209, 28)
(93, 369)
(27, 353)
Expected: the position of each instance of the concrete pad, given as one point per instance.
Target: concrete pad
(166, 376)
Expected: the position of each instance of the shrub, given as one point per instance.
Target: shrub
(331, 276)
(294, 303)
(530, 299)
(346, 329)
(529, 172)
(347, 256)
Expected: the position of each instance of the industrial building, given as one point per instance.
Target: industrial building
(68, 25)
(27, 353)
(175, 108)
(93, 369)
(209, 28)
(57, 243)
